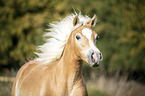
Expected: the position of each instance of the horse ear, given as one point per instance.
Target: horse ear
(93, 21)
(76, 20)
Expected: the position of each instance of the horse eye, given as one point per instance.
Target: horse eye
(78, 37)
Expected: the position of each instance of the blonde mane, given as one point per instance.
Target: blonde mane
(58, 35)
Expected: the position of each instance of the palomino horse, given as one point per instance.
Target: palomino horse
(58, 69)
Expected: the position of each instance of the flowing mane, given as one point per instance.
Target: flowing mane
(58, 35)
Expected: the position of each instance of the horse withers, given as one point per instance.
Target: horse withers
(57, 71)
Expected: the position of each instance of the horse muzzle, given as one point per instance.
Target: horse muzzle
(94, 58)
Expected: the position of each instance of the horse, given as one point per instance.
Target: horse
(57, 69)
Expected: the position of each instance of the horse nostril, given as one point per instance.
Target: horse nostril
(92, 55)
(101, 57)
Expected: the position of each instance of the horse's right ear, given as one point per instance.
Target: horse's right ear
(76, 20)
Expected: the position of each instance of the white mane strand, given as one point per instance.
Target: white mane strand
(58, 35)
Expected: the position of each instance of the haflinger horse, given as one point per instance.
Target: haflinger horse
(57, 71)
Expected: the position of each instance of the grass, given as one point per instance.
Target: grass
(100, 86)
(94, 92)
(116, 87)
(5, 88)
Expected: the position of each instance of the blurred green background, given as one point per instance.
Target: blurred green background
(121, 28)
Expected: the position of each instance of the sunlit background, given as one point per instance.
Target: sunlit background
(121, 27)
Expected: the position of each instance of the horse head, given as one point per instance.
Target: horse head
(85, 42)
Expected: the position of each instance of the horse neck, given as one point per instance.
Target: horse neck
(72, 65)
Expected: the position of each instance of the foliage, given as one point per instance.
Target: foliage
(123, 35)
(121, 29)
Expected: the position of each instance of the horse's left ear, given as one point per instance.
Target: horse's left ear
(76, 20)
(93, 21)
